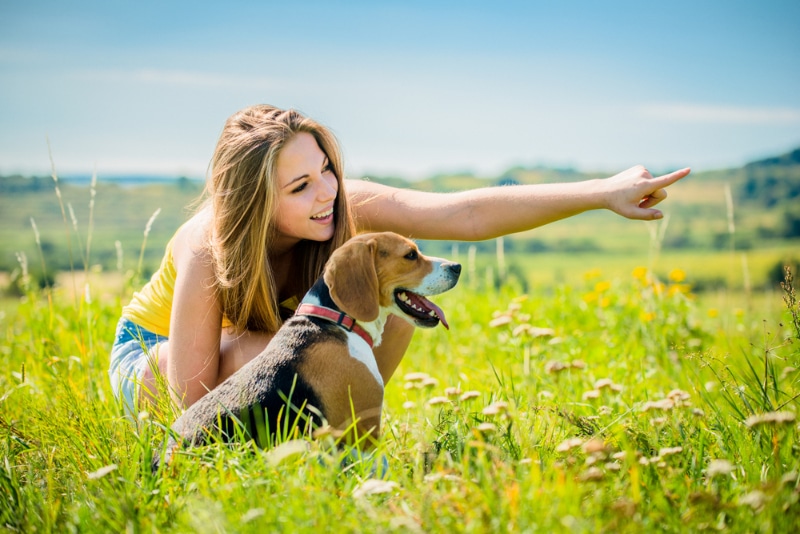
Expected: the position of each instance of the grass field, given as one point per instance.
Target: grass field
(600, 402)
(624, 386)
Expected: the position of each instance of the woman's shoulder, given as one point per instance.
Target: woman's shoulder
(191, 241)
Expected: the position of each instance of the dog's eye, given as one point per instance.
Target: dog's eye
(413, 255)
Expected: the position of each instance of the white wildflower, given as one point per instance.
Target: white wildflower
(719, 467)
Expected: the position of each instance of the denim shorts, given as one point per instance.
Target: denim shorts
(130, 356)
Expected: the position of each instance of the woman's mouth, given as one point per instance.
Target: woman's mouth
(323, 216)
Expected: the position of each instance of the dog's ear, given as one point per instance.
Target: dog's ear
(352, 280)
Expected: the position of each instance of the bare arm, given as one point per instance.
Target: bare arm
(494, 211)
(396, 339)
(193, 349)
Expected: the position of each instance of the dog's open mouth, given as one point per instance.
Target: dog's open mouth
(424, 312)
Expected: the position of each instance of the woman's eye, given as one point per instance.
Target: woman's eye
(327, 168)
(300, 187)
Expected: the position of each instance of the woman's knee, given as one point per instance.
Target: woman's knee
(236, 349)
(154, 374)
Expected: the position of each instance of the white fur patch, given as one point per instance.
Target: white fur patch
(311, 298)
(359, 349)
(438, 281)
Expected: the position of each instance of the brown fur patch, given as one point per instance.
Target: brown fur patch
(338, 379)
(364, 273)
(353, 282)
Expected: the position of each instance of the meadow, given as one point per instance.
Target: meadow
(574, 392)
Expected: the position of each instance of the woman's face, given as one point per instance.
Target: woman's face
(307, 189)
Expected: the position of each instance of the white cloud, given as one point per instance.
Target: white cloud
(711, 114)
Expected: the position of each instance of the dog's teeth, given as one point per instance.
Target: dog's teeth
(432, 313)
(403, 297)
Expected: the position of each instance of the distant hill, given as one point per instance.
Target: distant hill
(442, 183)
(790, 159)
(770, 182)
(17, 183)
(773, 181)
(766, 202)
(765, 195)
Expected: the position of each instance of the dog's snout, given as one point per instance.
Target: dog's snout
(454, 268)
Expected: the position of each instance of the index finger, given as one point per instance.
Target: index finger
(669, 179)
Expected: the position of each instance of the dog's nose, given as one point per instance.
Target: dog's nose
(455, 268)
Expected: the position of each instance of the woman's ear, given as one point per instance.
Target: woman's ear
(352, 280)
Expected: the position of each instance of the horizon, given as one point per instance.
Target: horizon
(86, 176)
(410, 89)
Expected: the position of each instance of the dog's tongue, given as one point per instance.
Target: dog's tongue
(436, 310)
(440, 314)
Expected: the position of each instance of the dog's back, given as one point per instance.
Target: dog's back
(265, 398)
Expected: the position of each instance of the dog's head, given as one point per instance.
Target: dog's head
(385, 270)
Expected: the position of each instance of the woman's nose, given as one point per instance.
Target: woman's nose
(328, 190)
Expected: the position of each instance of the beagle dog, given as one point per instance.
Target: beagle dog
(319, 368)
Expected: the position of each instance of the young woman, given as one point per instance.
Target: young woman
(276, 208)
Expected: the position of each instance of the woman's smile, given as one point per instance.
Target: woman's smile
(324, 217)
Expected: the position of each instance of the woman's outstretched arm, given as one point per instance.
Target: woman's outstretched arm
(490, 212)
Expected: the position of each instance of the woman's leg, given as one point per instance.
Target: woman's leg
(235, 351)
(149, 382)
(396, 337)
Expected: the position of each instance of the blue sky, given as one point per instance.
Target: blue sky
(410, 88)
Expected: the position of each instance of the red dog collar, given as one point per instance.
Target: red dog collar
(342, 319)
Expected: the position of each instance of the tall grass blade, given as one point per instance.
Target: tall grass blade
(54, 176)
(90, 229)
(147, 229)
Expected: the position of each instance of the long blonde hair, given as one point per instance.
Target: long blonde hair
(242, 193)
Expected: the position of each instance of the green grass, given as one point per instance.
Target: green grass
(113, 214)
(629, 414)
(599, 396)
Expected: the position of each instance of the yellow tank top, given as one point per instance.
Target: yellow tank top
(151, 307)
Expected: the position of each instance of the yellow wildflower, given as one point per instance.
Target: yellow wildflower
(646, 317)
(679, 289)
(640, 273)
(592, 274)
(599, 287)
(677, 275)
